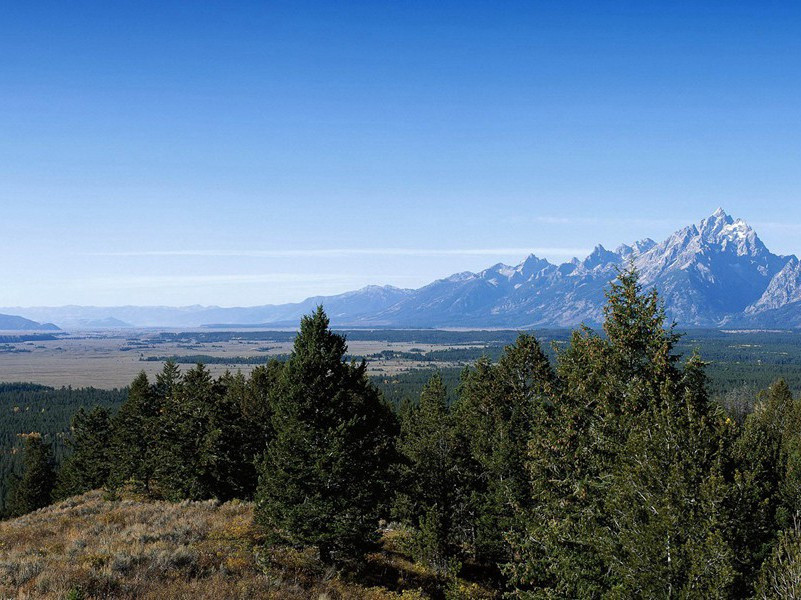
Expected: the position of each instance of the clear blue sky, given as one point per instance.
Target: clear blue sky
(242, 153)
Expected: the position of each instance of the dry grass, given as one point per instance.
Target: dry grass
(87, 547)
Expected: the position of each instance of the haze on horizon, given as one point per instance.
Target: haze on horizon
(253, 153)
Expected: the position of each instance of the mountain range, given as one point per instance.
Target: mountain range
(15, 323)
(716, 273)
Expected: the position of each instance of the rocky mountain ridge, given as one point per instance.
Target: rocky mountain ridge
(712, 274)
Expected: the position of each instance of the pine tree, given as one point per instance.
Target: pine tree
(204, 446)
(135, 436)
(498, 412)
(780, 575)
(89, 465)
(555, 553)
(766, 498)
(604, 386)
(34, 489)
(256, 402)
(434, 492)
(168, 382)
(323, 478)
(668, 529)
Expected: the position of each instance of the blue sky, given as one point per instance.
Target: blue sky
(245, 153)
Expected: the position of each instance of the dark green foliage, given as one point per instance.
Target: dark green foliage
(192, 436)
(136, 426)
(767, 497)
(436, 481)
(665, 508)
(591, 458)
(26, 407)
(89, 465)
(255, 403)
(34, 489)
(780, 575)
(188, 439)
(205, 446)
(324, 475)
(598, 468)
(500, 408)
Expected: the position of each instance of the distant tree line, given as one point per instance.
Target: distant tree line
(605, 472)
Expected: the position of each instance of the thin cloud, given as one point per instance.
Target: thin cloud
(777, 225)
(345, 252)
(146, 281)
(554, 220)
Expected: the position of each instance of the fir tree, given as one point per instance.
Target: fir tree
(766, 497)
(323, 478)
(89, 465)
(134, 443)
(434, 492)
(605, 385)
(499, 409)
(34, 488)
(668, 531)
(256, 402)
(202, 450)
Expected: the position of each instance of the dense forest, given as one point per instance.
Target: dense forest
(598, 468)
(28, 407)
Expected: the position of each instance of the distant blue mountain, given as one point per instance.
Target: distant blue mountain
(712, 274)
(15, 323)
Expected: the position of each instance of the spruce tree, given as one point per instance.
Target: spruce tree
(499, 409)
(205, 448)
(185, 454)
(256, 402)
(766, 497)
(34, 488)
(134, 443)
(604, 386)
(668, 532)
(168, 382)
(323, 478)
(89, 465)
(435, 488)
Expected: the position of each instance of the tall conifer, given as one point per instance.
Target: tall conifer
(324, 475)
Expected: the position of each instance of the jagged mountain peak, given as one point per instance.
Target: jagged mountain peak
(724, 230)
(626, 251)
(712, 273)
(600, 257)
(532, 265)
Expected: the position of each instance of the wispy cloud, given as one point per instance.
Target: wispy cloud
(793, 227)
(161, 281)
(557, 220)
(345, 252)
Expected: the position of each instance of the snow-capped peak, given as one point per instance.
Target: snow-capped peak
(531, 265)
(600, 256)
(640, 247)
(723, 231)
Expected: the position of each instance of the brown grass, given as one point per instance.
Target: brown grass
(87, 547)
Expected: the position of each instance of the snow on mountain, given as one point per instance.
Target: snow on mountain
(716, 272)
(706, 273)
(784, 288)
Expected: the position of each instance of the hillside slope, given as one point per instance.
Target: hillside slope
(15, 323)
(87, 548)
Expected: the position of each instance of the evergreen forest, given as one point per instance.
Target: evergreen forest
(599, 467)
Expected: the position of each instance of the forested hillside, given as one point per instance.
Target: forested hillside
(604, 469)
(27, 407)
